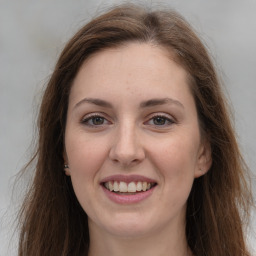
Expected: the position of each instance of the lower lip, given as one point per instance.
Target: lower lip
(128, 199)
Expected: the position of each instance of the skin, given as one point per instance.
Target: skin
(128, 139)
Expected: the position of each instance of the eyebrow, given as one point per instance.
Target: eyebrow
(157, 102)
(144, 104)
(97, 102)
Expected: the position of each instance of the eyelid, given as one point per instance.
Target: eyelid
(168, 117)
(162, 114)
(89, 116)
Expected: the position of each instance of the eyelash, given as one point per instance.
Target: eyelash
(90, 118)
(165, 118)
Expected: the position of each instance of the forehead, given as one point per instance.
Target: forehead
(135, 68)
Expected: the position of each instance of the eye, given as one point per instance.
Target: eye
(160, 120)
(95, 120)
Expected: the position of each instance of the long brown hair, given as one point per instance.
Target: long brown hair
(52, 221)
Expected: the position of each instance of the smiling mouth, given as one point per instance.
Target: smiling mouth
(131, 188)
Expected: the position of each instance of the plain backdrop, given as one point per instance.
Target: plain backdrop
(32, 34)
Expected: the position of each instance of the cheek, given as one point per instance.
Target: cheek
(177, 154)
(85, 155)
(176, 161)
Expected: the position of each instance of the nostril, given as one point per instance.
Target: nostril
(126, 149)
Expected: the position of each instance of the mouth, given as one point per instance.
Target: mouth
(128, 188)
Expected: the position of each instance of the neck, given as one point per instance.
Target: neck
(163, 243)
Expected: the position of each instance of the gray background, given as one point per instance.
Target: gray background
(32, 34)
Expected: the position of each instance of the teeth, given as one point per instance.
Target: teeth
(144, 186)
(123, 187)
(107, 185)
(116, 186)
(110, 185)
(139, 186)
(131, 187)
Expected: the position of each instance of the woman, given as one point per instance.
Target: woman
(136, 152)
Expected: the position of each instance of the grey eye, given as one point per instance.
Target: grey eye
(159, 120)
(97, 120)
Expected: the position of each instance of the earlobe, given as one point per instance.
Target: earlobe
(204, 159)
(66, 166)
(66, 169)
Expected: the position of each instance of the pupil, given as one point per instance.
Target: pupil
(98, 120)
(159, 120)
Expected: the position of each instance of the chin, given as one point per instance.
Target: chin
(129, 232)
(130, 227)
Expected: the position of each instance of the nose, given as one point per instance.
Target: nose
(127, 149)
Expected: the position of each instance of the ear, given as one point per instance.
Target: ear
(66, 165)
(204, 160)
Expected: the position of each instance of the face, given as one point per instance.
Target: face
(133, 141)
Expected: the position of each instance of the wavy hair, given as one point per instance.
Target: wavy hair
(52, 221)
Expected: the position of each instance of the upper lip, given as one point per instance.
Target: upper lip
(127, 178)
